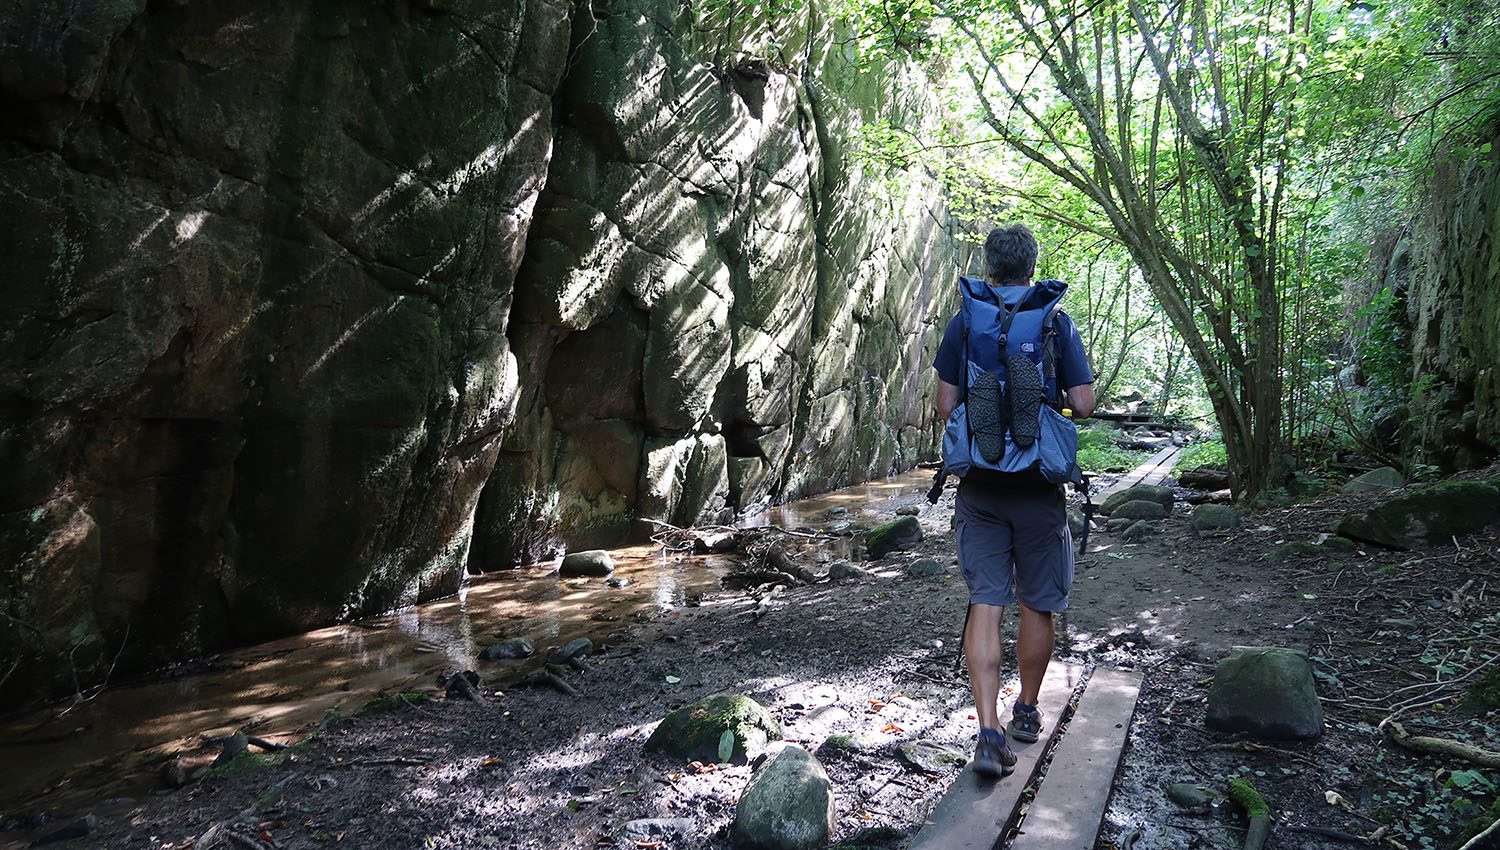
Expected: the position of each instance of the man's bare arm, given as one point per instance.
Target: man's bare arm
(947, 399)
(1080, 400)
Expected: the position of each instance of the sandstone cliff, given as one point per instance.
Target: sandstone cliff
(310, 307)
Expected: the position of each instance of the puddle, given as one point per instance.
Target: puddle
(116, 744)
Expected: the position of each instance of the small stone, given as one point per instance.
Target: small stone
(925, 567)
(1339, 544)
(593, 563)
(844, 569)
(1076, 522)
(1295, 549)
(908, 510)
(174, 773)
(844, 742)
(617, 581)
(651, 829)
(1138, 530)
(929, 756)
(1189, 794)
(1115, 526)
(509, 649)
(572, 650)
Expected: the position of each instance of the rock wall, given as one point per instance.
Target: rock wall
(1454, 308)
(310, 306)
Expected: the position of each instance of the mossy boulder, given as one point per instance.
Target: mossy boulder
(1215, 518)
(592, 563)
(788, 804)
(1140, 492)
(1267, 692)
(1376, 480)
(1139, 509)
(1431, 515)
(885, 539)
(694, 732)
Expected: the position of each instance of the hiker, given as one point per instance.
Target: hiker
(1011, 527)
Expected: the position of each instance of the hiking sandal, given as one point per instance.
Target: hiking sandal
(1023, 392)
(993, 757)
(1025, 726)
(987, 416)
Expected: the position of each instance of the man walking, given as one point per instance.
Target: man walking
(1012, 528)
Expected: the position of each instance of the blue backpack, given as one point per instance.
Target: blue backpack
(1007, 422)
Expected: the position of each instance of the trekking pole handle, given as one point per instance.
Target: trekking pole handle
(1067, 412)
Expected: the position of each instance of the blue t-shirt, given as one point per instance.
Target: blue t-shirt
(1072, 361)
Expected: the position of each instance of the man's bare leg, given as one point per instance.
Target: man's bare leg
(1034, 646)
(983, 653)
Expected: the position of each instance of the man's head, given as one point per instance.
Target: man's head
(1010, 255)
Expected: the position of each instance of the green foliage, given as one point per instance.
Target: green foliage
(245, 762)
(1202, 453)
(1098, 451)
(1385, 344)
(1486, 689)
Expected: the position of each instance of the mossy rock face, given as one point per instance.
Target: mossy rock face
(1141, 492)
(693, 732)
(1432, 515)
(885, 539)
(1339, 544)
(1376, 480)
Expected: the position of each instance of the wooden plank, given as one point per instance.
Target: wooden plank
(1071, 799)
(1152, 471)
(973, 813)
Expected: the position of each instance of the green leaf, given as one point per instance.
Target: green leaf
(672, 680)
(726, 745)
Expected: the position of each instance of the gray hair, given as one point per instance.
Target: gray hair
(1010, 254)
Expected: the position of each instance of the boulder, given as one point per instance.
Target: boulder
(1376, 480)
(1076, 521)
(1431, 515)
(885, 539)
(1215, 518)
(1267, 692)
(926, 567)
(1140, 509)
(1138, 530)
(1140, 492)
(909, 510)
(1115, 526)
(788, 804)
(593, 563)
(695, 731)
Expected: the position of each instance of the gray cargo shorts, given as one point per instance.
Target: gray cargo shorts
(1014, 544)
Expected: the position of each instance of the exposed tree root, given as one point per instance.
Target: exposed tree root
(1439, 746)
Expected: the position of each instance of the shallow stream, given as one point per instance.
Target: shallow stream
(73, 756)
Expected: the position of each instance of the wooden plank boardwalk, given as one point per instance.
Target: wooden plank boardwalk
(975, 814)
(1153, 471)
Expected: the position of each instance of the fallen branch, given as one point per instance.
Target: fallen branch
(545, 679)
(1255, 807)
(1439, 746)
(1480, 839)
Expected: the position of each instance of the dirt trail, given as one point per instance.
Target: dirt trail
(874, 657)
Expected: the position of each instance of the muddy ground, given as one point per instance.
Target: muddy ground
(529, 767)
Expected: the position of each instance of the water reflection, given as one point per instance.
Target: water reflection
(115, 744)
